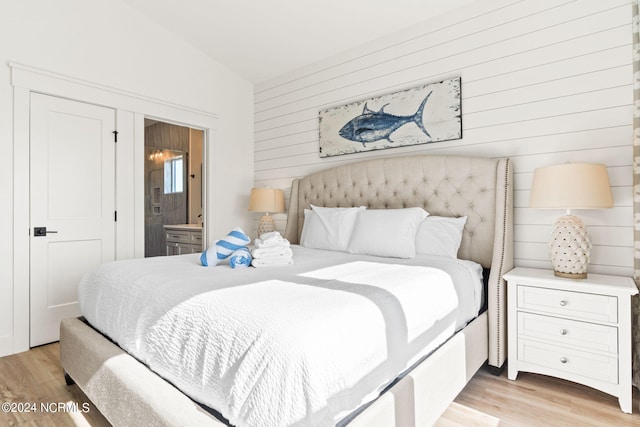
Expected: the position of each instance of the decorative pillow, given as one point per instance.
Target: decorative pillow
(328, 228)
(222, 248)
(439, 235)
(387, 232)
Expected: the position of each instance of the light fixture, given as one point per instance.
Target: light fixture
(570, 186)
(267, 200)
(156, 154)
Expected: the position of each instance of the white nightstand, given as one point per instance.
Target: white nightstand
(578, 330)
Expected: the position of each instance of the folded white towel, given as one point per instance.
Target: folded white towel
(257, 262)
(259, 243)
(275, 251)
(272, 236)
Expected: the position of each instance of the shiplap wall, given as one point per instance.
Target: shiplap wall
(543, 82)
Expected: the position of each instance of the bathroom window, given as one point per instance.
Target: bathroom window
(173, 175)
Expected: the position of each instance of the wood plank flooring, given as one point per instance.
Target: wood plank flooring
(36, 377)
(535, 400)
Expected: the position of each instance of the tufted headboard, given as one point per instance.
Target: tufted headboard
(480, 188)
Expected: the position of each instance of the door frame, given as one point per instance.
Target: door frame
(131, 110)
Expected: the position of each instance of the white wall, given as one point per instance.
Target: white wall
(543, 82)
(108, 43)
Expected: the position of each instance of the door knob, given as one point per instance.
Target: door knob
(41, 231)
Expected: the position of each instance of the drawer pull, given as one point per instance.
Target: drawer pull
(563, 332)
(563, 303)
(563, 360)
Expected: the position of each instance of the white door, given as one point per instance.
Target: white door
(72, 194)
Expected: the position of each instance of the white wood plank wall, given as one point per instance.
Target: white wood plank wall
(543, 82)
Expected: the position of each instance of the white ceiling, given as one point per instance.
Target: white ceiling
(262, 39)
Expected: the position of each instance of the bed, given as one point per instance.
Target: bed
(127, 392)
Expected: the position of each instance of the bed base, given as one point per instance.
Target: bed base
(127, 393)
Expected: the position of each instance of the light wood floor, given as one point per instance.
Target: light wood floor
(535, 400)
(36, 377)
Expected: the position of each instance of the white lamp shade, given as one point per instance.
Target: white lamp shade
(268, 200)
(571, 186)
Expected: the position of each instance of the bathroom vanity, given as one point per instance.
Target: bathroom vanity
(183, 238)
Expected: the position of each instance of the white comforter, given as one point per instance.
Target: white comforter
(299, 345)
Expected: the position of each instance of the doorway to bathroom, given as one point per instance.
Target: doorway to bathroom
(173, 182)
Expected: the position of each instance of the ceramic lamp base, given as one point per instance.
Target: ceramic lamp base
(570, 248)
(266, 225)
(570, 275)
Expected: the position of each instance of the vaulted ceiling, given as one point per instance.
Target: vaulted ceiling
(262, 39)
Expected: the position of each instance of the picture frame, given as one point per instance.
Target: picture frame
(420, 115)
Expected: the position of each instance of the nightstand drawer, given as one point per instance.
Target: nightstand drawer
(599, 308)
(569, 361)
(588, 336)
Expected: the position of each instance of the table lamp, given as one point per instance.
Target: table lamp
(570, 186)
(267, 200)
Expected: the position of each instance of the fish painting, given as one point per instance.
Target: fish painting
(425, 114)
(371, 126)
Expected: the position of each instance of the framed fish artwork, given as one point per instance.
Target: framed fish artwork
(420, 115)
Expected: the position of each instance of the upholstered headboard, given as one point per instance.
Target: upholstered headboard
(480, 188)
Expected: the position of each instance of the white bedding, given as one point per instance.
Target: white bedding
(297, 345)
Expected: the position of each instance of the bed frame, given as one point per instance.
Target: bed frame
(127, 393)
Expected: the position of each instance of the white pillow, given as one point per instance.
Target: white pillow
(439, 235)
(387, 232)
(328, 228)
